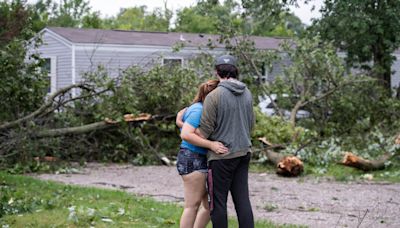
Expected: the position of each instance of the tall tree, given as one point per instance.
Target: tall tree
(207, 16)
(138, 18)
(210, 16)
(22, 86)
(68, 13)
(286, 24)
(368, 30)
(271, 17)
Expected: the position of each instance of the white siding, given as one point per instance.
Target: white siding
(51, 47)
(116, 58)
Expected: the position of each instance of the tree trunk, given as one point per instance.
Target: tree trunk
(274, 157)
(74, 130)
(366, 165)
(107, 123)
(294, 112)
(288, 166)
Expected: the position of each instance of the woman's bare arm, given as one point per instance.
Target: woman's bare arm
(188, 134)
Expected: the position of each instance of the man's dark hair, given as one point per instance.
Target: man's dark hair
(227, 71)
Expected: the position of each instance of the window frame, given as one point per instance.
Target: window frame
(53, 72)
(172, 58)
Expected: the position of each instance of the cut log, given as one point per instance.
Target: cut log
(288, 166)
(352, 160)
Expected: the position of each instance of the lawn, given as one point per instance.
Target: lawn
(340, 173)
(27, 202)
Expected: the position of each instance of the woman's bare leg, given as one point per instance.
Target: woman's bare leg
(194, 190)
(203, 214)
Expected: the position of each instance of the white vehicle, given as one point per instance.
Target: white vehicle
(268, 109)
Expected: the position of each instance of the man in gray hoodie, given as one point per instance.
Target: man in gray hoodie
(228, 117)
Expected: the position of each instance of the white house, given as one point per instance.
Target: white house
(70, 52)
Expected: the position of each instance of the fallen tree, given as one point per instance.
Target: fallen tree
(357, 162)
(289, 165)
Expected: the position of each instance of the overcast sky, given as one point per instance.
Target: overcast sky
(111, 7)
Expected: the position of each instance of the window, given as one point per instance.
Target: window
(264, 72)
(172, 62)
(50, 68)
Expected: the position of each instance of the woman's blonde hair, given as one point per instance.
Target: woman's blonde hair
(204, 89)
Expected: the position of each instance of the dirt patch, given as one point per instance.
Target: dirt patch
(309, 202)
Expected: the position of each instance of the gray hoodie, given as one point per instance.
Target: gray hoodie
(228, 117)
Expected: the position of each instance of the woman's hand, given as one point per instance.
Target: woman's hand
(179, 117)
(218, 147)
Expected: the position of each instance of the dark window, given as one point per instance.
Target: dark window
(172, 62)
(47, 66)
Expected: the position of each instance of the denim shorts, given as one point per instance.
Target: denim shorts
(189, 162)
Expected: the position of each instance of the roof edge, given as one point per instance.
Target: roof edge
(57, 36)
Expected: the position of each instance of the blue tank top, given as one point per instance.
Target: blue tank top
(192, 116)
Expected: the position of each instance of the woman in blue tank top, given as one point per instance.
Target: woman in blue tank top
(192, 160)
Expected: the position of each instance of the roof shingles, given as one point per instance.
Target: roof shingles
(77, 35)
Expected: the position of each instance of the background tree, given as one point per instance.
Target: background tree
(271, 18)
(286, 25)
(368, 31)
(206, 16)
(23, 86)
(212, 17)
(66, 13)
(138, 18)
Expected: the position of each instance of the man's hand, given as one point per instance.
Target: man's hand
(218, 147)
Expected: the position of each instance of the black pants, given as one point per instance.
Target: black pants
(230, 175)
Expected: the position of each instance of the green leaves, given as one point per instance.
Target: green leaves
(22, 86)
(368, 31)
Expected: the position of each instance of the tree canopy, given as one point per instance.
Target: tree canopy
(213, 17)
(367, 30)
(139, 18)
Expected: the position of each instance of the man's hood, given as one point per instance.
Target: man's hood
(236, 87)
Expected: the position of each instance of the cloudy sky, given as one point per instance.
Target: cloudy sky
(110, 8)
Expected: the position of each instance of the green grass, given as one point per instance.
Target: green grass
(344, 173)
(261, 168)
(338, 172)
(27, 202)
